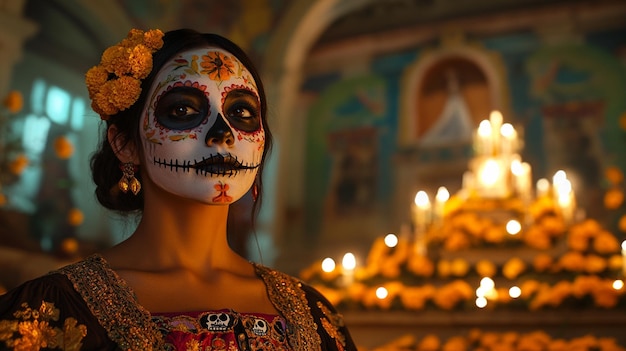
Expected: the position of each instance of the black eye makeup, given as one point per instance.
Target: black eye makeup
(242, 109)
(182, 108)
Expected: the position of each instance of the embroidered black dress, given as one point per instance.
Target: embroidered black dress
(87, 306)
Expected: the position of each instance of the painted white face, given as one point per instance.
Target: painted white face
(201, 128)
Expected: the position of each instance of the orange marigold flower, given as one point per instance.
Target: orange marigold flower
(140, 59)
(217, 65)
(542, 262)
(605, 243)
(537, 238)
(513, 268)
(573, 261)
(63, 148)
(14, 101)
(19, 164)
(578, 240)
(455, 343)
(595, 264)
(459, 267)
(95, 77)
(430, 342)
(614, 175)
(613, 198)
(123, 92)
(486, 268)
(615, 262)
(153, 39)
(3, 199)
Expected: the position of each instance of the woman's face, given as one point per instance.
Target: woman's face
(201, 128)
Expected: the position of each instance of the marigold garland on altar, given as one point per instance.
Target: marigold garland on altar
(115, 84)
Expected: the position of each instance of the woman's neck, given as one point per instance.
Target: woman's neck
(179, 234)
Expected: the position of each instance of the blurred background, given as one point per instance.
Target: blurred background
(370, 101)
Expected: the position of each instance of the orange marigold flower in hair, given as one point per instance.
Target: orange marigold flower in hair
(63, 148)
(153, 39)
(614, 175)
(124, 92)
(140, 59)
(14, 101)
(613, 198)
(95, 77)
(19, 164)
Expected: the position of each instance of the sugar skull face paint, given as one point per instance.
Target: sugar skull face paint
(201, 129)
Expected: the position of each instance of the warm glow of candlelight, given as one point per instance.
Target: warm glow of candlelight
(484, 129)
(328, 265)
(543, 187)
(507, 130)
(421, 199)
(481, 302)
(381, 293)
(515, 292)
(618, 284)
(513, 227)
(443, 194)
(490, 173)
(391, 240)
(348, 262)
(495, 118)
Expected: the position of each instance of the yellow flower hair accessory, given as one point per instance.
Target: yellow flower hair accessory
(115, 84)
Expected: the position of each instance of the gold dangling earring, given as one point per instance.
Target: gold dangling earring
(128, 181)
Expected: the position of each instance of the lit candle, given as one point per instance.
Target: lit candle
(484, 139)
(440, 203)
(491, 181)
(495, 118)
(348, 264)
(543, 187)
(509, 139)
(564, 195)
(421, 211)
(421, 218)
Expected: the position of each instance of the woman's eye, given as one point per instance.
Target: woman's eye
(182, 108)
(241, 112)
(182, 111)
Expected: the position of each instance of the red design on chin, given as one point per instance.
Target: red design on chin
(222, 196)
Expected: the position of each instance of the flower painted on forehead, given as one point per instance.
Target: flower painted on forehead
(217, 65)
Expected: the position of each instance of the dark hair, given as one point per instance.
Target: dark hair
(105, 165)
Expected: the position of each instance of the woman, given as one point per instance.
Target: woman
(186, 136)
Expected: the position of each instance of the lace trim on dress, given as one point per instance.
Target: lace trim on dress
(287, 296)
(113, 303)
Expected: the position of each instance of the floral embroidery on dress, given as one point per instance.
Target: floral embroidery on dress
(34, 329)
(331, 323)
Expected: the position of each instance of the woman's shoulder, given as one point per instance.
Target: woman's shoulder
(306, 307)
